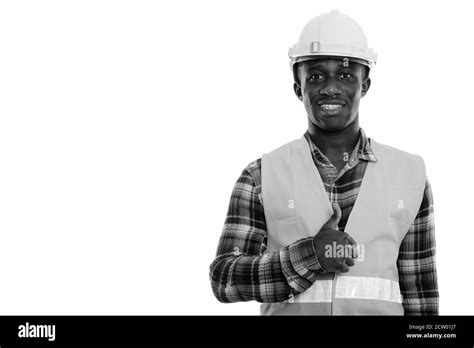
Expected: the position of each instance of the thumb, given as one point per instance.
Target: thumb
(334, 219)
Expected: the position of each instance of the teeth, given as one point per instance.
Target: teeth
(330, 106)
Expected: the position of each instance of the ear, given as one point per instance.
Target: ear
(365, 86)
(297, 90)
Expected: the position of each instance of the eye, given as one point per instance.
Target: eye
(346, 76)
(315, 77)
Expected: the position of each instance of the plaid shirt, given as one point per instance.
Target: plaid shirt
(244, 271)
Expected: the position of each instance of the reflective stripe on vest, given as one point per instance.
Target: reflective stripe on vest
(366, 288)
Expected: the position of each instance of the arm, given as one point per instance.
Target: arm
(242, 269)
(417, 264)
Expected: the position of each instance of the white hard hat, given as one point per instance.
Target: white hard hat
(332, 34)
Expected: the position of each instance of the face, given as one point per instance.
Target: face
(331, 90)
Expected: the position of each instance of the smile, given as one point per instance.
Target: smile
(330, 106)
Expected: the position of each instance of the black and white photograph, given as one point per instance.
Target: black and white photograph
(235, 158)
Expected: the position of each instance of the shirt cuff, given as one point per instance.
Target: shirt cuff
(303, 257)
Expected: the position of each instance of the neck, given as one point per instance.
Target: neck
(329, 142)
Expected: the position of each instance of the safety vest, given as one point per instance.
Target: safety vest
(296, 206)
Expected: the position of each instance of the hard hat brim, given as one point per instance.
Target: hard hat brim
(367, 63)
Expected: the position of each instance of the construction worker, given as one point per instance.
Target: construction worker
(333, 223)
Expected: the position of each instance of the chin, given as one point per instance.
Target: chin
(330, 124)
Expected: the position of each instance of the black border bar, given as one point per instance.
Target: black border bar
(240, 330)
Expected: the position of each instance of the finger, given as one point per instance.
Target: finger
(334, 219)
(344, 268)
(352, 251)
(350, 262)
(355, 252)
(351, 240)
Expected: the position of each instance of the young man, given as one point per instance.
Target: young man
(333, 223)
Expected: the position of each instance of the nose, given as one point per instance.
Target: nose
(330, 89)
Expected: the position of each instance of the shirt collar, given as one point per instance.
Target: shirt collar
(364, 152)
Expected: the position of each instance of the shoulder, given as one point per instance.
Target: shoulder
(397, 160)
(252, 173)
(284, 149)
(253, 168)
(249, 182)
(383, 150)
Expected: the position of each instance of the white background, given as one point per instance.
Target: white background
(125, 124)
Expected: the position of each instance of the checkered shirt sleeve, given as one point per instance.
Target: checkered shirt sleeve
(417, 263)
(243, 270)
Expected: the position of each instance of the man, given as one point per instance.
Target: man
(335, 222)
